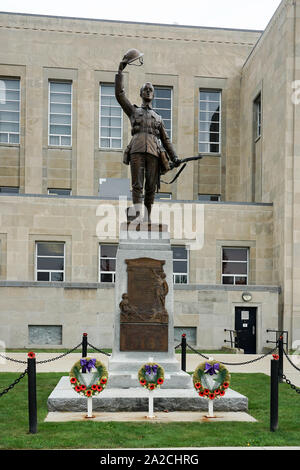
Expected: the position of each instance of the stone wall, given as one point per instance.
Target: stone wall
(87, 52)
(82, 304)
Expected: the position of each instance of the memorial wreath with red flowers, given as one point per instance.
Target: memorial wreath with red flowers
(211, 380)
(88, 377)
(151, 376)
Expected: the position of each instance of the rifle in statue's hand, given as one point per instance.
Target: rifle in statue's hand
(180, 162)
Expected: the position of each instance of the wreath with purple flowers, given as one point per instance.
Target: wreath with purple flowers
(211, 380)
(88, 377)
(151, 375)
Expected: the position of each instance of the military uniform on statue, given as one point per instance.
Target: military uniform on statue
(146, 152)
(144, 319)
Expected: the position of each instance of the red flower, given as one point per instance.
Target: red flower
(143, 382)
(160, 381)
(211, 396)
(217, 392)
(225, 385)
(99, 388)
(222, 393)
(152, 386)
(88, 393)
(94, 387)
(78, 388)
(202, 394)
(83, 388)
(103, 380)
(31, 355)
(206, 391)
(276, 357)
(73, 380)
(197, 385)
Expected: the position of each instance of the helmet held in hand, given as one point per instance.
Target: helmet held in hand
(133, 55)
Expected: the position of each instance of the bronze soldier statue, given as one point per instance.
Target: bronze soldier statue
(149, 143)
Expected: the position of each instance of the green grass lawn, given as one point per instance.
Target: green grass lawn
(14, 422)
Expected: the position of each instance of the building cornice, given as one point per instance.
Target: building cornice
(86, 31)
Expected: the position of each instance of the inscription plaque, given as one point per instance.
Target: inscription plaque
(143, 316)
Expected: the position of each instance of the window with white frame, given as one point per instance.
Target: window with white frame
(210, 121)
(60, 113)
(180, 265)
(235, 265)
(9, 111)
(59, 192)
(9, 189)
(107, 262)
(162, 196)
(110, 119)
(257, 116)
(209, 197)
(50, 261)
(162, 105)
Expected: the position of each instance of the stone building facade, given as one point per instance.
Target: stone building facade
(229, 94)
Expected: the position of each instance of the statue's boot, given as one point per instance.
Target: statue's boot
(134, 214)
(147, 213)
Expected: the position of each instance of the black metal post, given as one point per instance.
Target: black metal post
(183, 352)
(32, 408)
(84, 345)
(280, 352)
(274, 395)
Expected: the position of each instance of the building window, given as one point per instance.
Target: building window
(59, 192)
(9, 111)
(107, 269)
(60, 113)
(9, 189)
(235, 266)
(180, 265)
(162, 196)
(50, 261)
(45, 334)
(209, 197)
(210, 121)
(162, 105)
(110, 119)
(189, 331)
(257, 117)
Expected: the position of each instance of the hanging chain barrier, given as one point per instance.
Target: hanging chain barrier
(235, 363)
(11, 386)
(59, 357)
(292, 364)
(99, 350)
(44, 361)
(287, 381)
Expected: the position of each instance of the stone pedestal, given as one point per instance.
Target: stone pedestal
(63, 398)
(156, 341)
(138, 340)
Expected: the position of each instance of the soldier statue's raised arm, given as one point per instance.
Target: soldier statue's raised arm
(148, 144)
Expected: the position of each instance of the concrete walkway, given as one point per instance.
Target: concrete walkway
(65, 363)
(159, 416)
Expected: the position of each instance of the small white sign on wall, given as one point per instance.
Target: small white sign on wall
(244, 315)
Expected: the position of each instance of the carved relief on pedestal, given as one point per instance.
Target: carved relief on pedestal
(143, 315)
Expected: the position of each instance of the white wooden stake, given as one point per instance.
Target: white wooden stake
(150, 399)
(150, 405)
(89, 407)
(210, 408)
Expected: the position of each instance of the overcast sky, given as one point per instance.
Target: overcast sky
(244, 14)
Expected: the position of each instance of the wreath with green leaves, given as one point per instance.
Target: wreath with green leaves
(151, 376)
(211, 380)
(88, 377)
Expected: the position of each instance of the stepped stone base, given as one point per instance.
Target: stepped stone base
(123, 371)
(64, 398)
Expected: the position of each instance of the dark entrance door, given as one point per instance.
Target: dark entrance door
(245, 326)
